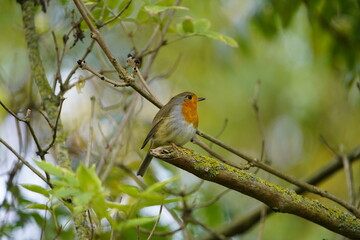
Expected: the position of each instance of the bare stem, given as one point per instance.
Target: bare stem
(26, 163)
(91, 132)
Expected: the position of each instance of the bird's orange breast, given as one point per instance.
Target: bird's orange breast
(189, 110)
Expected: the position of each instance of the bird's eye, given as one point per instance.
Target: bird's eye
(189, 97)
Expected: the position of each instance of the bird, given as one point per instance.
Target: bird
(175, 123)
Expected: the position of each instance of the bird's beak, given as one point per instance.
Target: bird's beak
(201, 99)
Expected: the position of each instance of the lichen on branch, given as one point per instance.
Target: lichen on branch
(277, 198)
(50, 102)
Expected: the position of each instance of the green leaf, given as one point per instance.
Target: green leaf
(64, 192)
(99, 205)
(155, 9)
(79, 209)
(129, 190)
(188, 26)
(136, 222)
(118, 206)
(142, 16)
(84, 26)
(152, 202)
(88, 2)
(37, 206)
(88, 179)
(165, 3)
(160, 185)
(83, 199)
(219, 37)
(37, 189)
(286, 10)
(51, 169)
(112, 4)
(201, 25)
(57, 171)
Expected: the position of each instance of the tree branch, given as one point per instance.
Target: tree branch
(26, 163)
(245, 222)
(277, 198)
(287, 177)
(95, 34)
(49, 100)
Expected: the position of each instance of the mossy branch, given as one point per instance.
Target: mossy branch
(50, 101)
(277, 198)
(243, 223)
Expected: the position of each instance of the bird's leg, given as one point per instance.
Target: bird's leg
(176, 147)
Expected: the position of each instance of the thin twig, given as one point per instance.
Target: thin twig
(91, 224)
(57, 76)
(349, 179)
(256, 108)
(91, 132)
(95, 34)
(262, 222)
(43, 113)
(156, 223)
(83, 65)
(26, 120)
(196, 187)
(59, 59)
(325, 142)
(161, 41)
(226, 121)
(212, 201)
(161, 234)
(347, 169)
(55, 126)
(146, 86)
(115, 17)
(44, 224)
(148, 52)
(20, 137)
(150, 41)
(118, 133)
(130, 35)
(208, 229)
(169, 71)
(76, 66)
(26, 163)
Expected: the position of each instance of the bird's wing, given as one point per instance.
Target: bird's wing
(151, 133)
(158, 119)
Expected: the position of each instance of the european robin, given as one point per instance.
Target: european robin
(175, 123)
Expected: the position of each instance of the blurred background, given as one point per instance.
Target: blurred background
(298, 59)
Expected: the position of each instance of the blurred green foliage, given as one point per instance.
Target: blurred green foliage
(305, 53)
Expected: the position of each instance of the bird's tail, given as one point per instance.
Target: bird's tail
(145, 164)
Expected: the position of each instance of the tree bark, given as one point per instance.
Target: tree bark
(277, 198)
(243, 223)
(50, 101)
